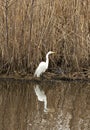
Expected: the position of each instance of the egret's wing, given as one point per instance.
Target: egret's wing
(40, 69)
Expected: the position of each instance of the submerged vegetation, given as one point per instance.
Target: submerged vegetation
(31, 28)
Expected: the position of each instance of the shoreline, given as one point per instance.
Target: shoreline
(50, 77)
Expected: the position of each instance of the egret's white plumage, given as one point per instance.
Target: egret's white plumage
(43, 66)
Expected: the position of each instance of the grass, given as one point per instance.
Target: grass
(29, 29)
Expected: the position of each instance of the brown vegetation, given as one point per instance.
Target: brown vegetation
(30, 28)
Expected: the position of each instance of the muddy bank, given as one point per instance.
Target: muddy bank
(47, 76)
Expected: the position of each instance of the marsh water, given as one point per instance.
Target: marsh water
(44, 106)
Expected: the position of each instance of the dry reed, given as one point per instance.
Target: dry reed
(30, 28)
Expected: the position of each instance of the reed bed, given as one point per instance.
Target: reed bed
(30, 28)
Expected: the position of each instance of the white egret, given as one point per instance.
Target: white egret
(43, 66)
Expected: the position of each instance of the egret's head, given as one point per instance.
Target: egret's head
(50, 52)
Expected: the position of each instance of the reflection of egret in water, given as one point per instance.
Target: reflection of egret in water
(41, 96)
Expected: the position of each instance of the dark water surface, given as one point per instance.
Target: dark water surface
(44, 106)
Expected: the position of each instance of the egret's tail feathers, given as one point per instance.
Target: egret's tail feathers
(36, 74)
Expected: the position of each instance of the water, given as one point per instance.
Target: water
(44, 106)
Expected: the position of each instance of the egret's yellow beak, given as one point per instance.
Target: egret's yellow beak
(53, 52)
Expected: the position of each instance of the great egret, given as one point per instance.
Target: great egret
(43, 66)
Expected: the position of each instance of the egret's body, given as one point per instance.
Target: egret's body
(43, 66)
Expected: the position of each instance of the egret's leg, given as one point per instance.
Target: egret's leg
(42, 77)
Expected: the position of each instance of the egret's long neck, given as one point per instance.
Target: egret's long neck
(47, 60)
